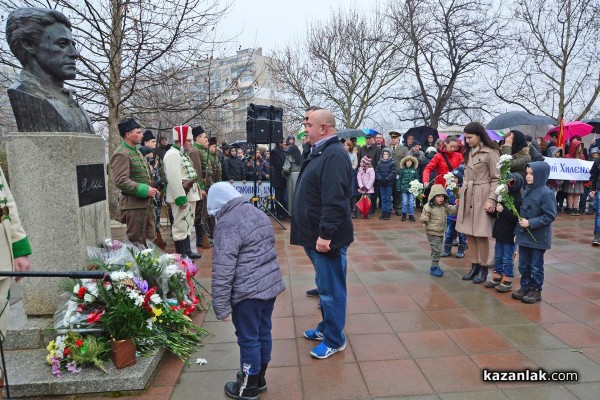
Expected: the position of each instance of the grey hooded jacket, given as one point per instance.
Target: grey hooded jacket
(244, 262)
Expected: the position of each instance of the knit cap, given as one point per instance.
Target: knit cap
(365, 162)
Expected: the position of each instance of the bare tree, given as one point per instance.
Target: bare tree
(347, 63)
(557, 70)
(449, 43)
(124, 44)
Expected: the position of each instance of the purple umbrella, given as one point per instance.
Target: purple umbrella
(494, 135)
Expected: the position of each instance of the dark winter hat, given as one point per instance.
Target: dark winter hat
(515, 183)
(594, 150)
(459, 172)
(145, 150)
(148, 135)
(365, 162)
(370, 135)
(415, 143)
(197, 131)
(126, 125)
(386, 150)
(212, 140)
(553, 134)
(519, 141)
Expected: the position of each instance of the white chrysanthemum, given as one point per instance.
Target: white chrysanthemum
(76, 288)
(146, 251)
(88, 298)
(91, 286)
(500, 189)
(149, 324)
(121, 275)
(172, 270)
(155, 299)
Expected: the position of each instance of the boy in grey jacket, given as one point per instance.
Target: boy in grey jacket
(246, 279)
(534, 231)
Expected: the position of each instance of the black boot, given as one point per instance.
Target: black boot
(244, 389)
(447, 250)
(461, 251)
(403, 217)
(180, 247)
(481, 275)
(471, 274)
(188, 250)
(262, 382)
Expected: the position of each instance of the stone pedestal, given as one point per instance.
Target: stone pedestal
(58, 204)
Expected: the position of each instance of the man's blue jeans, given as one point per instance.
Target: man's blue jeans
(331, 282)
(408, 203)
(252, 321)
(386, 198)
(504, 264)
(451, 233)
(597, 223)
(531, 267)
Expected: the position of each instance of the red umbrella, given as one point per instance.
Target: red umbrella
(575, 128)
(364, 205)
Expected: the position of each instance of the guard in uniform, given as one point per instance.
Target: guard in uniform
(182, 189)
(131, 174)
(14, 247)
(196, 157)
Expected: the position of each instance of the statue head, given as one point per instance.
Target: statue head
(42, 41)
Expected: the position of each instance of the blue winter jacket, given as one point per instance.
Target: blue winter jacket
(539, 208)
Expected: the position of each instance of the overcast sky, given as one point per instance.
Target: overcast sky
(272, 23)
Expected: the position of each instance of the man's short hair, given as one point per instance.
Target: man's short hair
(313, 108)
(26, 25)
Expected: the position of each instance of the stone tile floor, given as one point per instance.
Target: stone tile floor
(411, 335)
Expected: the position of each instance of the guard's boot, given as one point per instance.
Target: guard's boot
(481, 275)
(262, 382)
(188, 250)
(447, 250)
(461, 251)
(180, 247)
(244, 389)
(471, 274)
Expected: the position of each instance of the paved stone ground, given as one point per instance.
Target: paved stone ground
(411, 335)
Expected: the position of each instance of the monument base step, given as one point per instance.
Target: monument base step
(26, 332)
(30, 375)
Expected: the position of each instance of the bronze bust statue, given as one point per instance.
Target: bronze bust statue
(42, 41)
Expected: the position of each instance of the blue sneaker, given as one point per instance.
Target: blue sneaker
(322, 351)
(313, 334)
(436, 271)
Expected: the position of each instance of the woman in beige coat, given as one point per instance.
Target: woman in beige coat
(478, 195)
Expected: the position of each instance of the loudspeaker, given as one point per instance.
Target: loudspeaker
(258, 124)
(276, 124)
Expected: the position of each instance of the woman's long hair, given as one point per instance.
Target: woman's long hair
(475, 128)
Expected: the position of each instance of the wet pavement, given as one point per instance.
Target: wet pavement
(411, 335)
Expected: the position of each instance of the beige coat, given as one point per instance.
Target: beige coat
(479, 186)
(13, 240)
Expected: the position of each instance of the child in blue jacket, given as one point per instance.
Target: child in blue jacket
(538, 211)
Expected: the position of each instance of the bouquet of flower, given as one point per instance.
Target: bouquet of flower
(502, 190)
(451, 184)
(71, 351)
(417, 189)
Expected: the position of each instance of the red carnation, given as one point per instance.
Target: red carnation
(67, 351)
(79, 342)
(81, 292)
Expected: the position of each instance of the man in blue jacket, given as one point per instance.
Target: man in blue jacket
(323, 226)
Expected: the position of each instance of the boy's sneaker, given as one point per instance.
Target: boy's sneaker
(533, 296)
(505, 286)
(435, 270)
(596, 241)
(322, 351)
(519, 294)
(313, 334)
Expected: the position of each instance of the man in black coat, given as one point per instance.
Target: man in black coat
(323, 226)
(278, 181)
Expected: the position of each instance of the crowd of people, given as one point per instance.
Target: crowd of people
(318, 182)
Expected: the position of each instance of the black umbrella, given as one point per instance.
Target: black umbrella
(421, 133)
(515, 118)
(595, 122)
(348, 133)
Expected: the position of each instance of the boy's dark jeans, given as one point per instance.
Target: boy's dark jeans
(252, 321)
(451, 233)
(531, 267)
